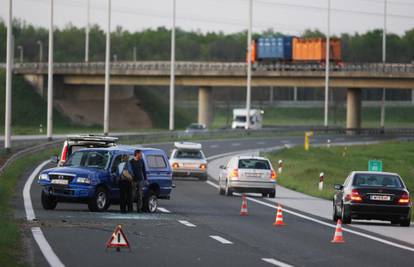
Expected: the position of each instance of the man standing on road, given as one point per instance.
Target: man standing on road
(137, 169)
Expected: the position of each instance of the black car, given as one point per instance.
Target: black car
(372, 196)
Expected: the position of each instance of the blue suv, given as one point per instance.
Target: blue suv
(90, 175)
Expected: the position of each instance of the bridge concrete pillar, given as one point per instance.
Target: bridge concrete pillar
(353, 109)
(205, 106)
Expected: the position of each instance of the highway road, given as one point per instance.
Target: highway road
(200, 227)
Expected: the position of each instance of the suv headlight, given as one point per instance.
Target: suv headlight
(83, 180)
(44, 177)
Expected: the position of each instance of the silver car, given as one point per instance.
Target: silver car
(248, 174)
(188, 160)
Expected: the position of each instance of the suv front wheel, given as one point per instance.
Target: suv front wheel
(48, 201)
(100, 201)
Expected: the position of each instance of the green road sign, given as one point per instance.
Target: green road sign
(375, 166)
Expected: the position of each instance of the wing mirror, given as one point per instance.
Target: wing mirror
(222, 167)
(54, 159)
(338, 187)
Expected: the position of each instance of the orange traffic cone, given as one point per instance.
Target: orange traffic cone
(279, 217)
(338, 233)
(243, 211)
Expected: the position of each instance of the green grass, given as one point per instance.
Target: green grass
(395, 116)
(11, 247)
(301, 169)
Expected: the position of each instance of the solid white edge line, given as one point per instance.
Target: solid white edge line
(276, 262)
(164, 210)
(273, 206)
(186, 223)
(30, 215)
(46, 249)
(221, 240)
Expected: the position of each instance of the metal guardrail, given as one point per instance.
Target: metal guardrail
(164, 66)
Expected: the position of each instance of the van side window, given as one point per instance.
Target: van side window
(156, 162)
(117, 161)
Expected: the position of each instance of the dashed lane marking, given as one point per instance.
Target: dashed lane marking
(186, 223)
(221, 240)
(235, 144)
(214, 146)
(276, 262)
(164, 210)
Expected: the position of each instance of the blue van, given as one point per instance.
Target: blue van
(90, 175)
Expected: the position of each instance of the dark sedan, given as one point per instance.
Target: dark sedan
(372, 196)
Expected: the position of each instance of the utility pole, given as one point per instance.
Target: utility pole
(20, 53)
(249, 64)
(88, 10)
(107, 69)
(384, 47)
(134, 53)
(327, 59)
(172, 70)
(50, 78)
(40, 43)
(9, 66)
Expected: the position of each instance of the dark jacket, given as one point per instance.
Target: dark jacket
(137, 169)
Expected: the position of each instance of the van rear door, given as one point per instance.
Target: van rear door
(159, 172)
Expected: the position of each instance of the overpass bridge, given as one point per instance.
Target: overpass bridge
(206, 75)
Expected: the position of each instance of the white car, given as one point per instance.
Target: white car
(248, 174)
(188, 160)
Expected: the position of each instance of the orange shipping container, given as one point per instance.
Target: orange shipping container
(314, 49)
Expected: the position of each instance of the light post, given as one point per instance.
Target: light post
(107, 69)
(249, 64)
(88, 9)
(172, 70)
(115, 56)
(9, 66)
(50, 78)
(327, 65)
(20, 48)
(384, 46)
(134, 53)
(40, 43)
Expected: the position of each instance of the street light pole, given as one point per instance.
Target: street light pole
(172, 70)
(135, 53)
(327, 65)
(50, 78)
(249, 64)
(384, 46)
(40, 51)
(87, 31)
(20, 53)
(107, 69)
(9, 66)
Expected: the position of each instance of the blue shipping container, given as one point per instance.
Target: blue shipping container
(274, 48)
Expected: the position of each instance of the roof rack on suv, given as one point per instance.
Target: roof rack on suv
(92, 138)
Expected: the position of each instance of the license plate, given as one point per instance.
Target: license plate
(191, 166)
(377, 197)
(62, 182)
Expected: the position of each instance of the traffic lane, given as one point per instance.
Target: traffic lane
(300, 242)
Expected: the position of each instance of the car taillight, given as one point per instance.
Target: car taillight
(175, 165)
(355, 195)
(64, 154)
(234, 173)
(273, 175)
(404, 199)
(203, 166)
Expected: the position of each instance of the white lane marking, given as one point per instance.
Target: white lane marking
(235, 144)
(221, 240)
(276, 262)
(273, 206)
(164, 210)
(186, 223)
(46, 249)
(285, 141)
(213, 184)
(213, 146)
(30, 215)
(261, 143)
(40, 239)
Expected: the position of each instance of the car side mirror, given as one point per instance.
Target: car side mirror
(222, 167)
(54, 159)
(338, 187)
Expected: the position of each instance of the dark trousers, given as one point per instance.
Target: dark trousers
(125, 192)
(139, 195)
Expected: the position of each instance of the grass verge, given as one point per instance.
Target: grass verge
(11, 245)
(301, 169)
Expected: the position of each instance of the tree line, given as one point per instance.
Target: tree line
(154, 44)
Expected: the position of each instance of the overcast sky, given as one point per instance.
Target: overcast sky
(287, 16)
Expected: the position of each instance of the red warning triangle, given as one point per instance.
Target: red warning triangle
(118, 239)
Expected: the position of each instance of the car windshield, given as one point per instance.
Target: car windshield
(240, 118)
(188, 154)
(196, 127)
(254, 164)
(377, 180)
(89, 159)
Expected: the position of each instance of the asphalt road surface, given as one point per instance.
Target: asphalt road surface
(198, 227)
